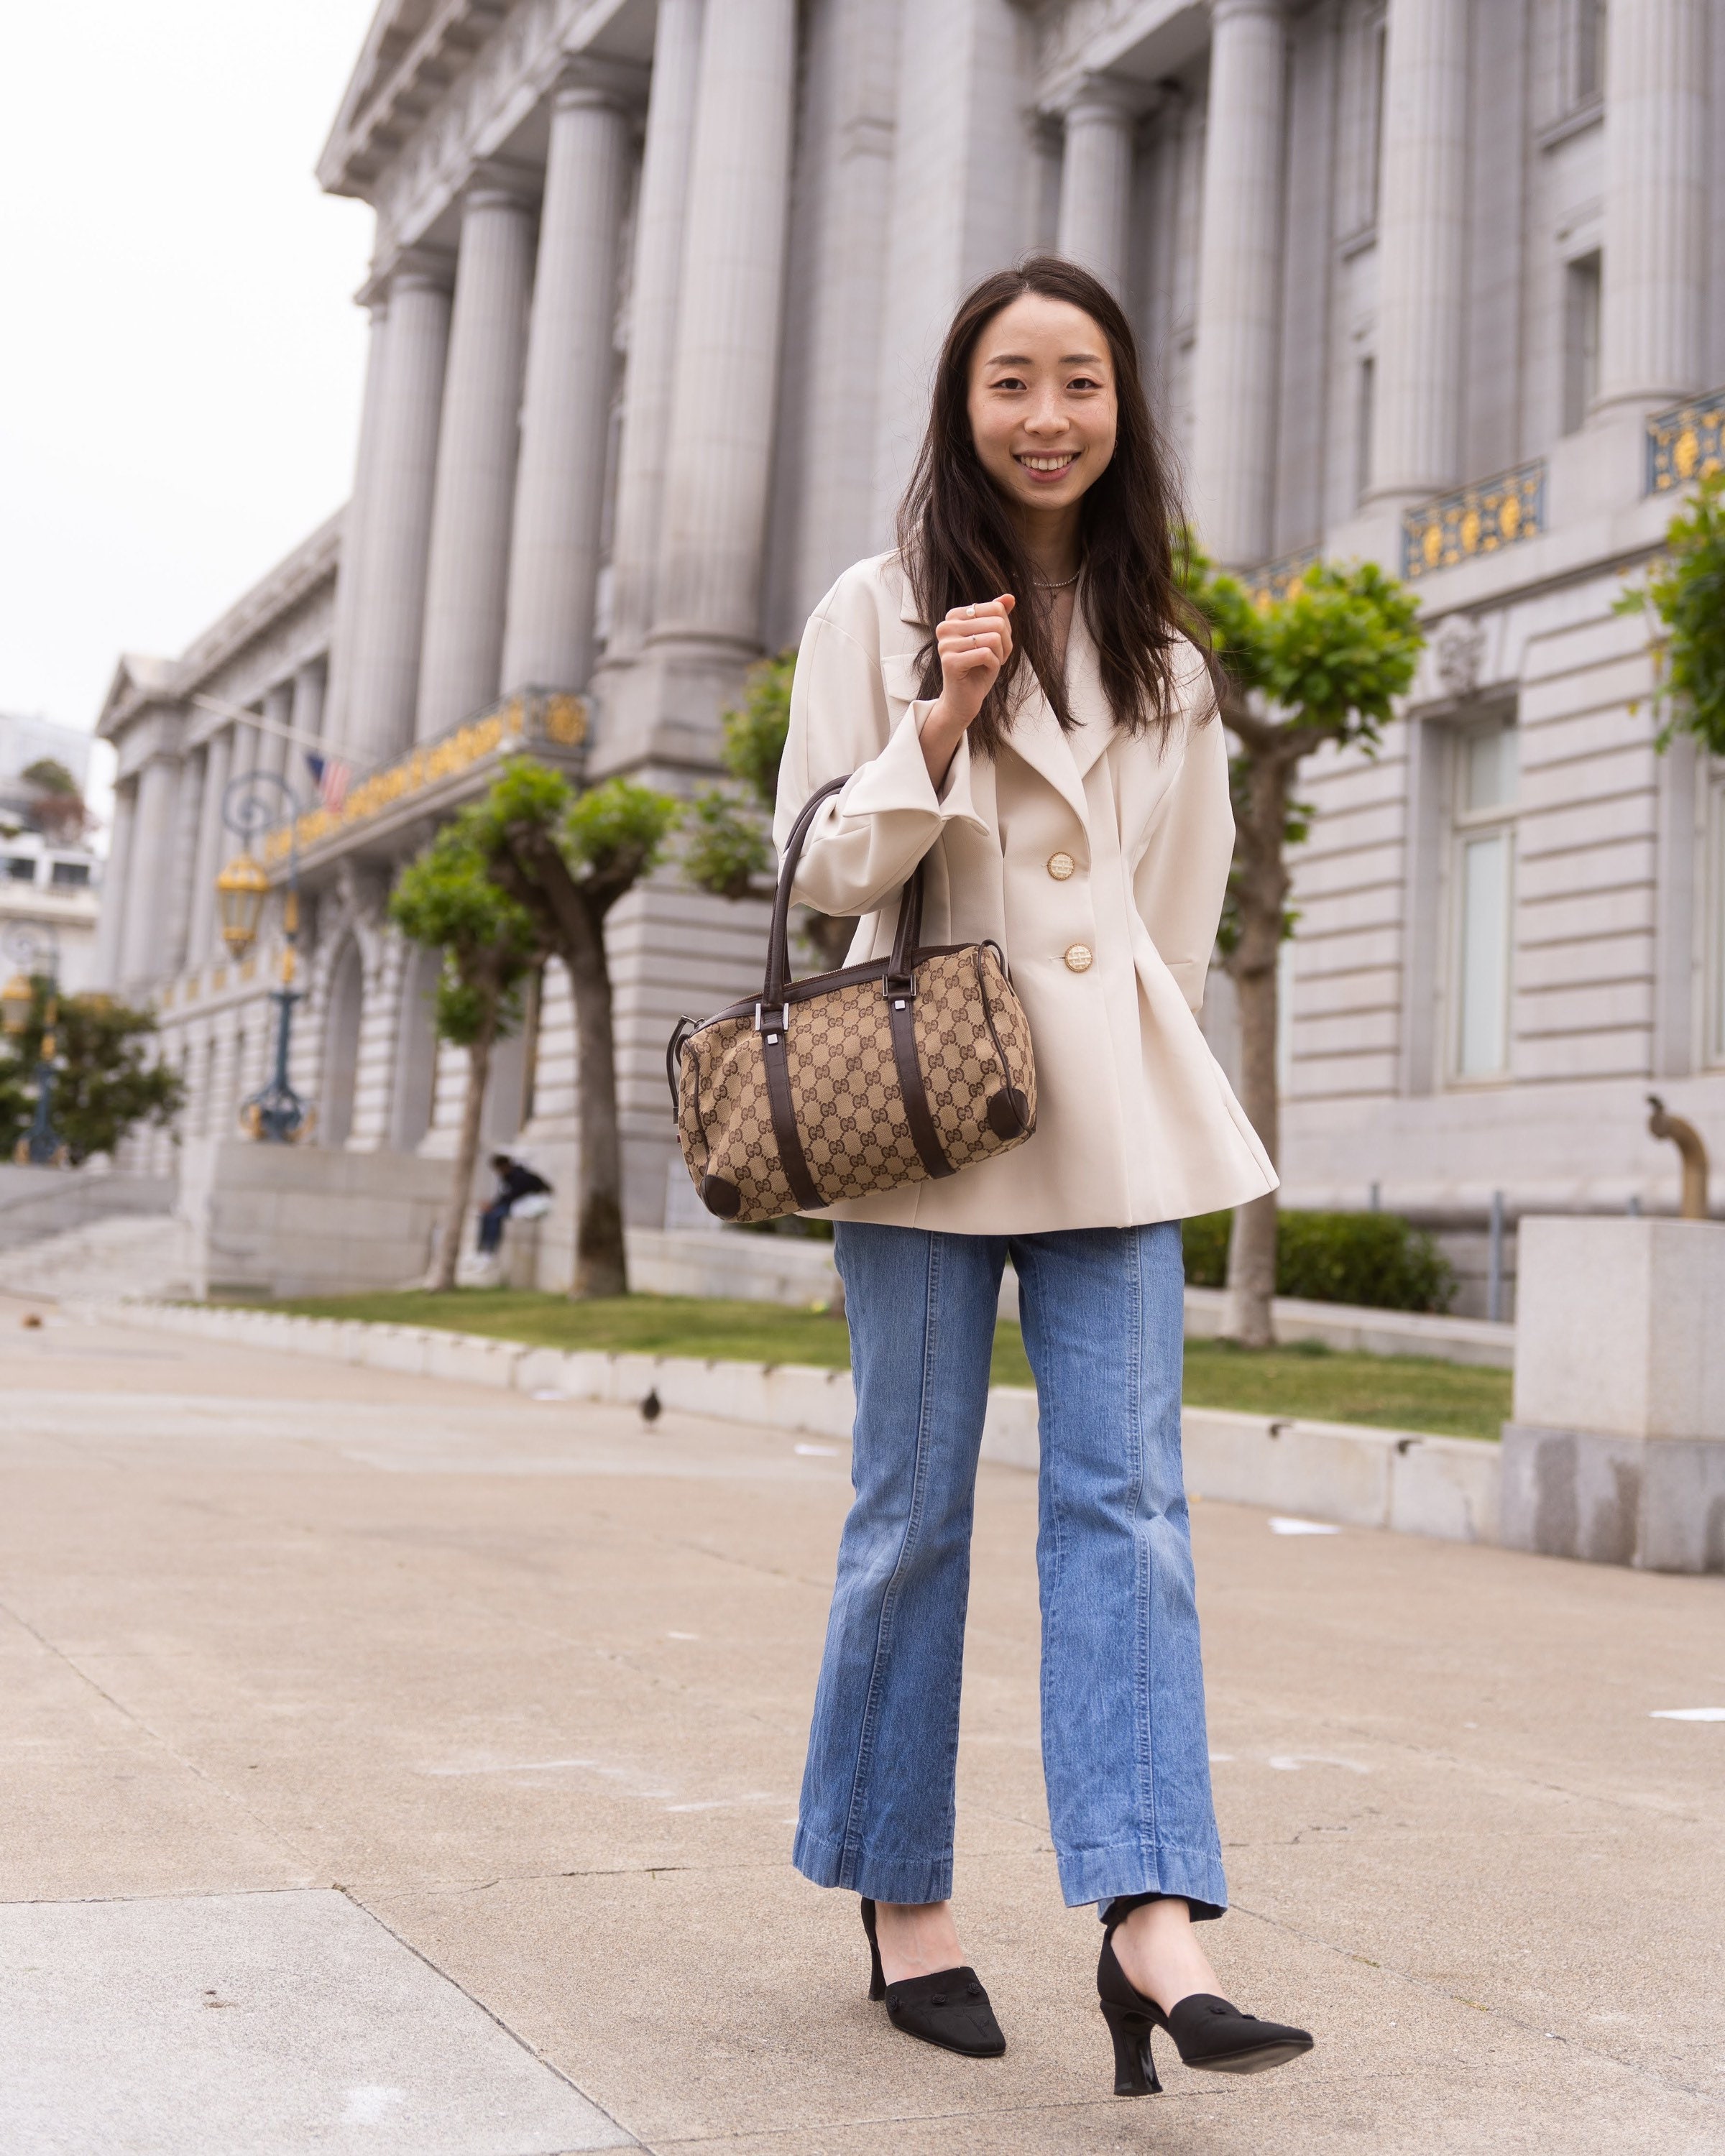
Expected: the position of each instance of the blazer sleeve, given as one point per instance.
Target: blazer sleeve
(845, 719)
(1182, 878)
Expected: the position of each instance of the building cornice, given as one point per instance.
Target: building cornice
(441, 84)
(141, 682)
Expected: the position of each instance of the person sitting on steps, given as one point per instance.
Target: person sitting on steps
(516, 1181)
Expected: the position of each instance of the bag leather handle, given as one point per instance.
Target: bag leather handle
(779, 960)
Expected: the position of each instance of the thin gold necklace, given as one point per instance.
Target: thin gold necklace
(1064, 583)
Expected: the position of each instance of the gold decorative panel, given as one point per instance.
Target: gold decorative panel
(1280, 579)
(551, 716)
(1686, 442)
(1481, 519)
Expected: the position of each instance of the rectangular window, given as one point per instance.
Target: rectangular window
(1375, 118)
(69, 873)
(1589, 74)
(1581, 340)
(1365, 406)
(1484, 901)
(1716, 933)
(21, 869)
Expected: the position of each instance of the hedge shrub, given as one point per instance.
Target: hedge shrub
(1375, 1259)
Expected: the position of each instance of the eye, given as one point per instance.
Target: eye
(1008, 381)
(1084, 381)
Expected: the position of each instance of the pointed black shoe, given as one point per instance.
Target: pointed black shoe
(949, 2008)
(1208, 2032)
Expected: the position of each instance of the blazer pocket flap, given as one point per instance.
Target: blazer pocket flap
(902, 676)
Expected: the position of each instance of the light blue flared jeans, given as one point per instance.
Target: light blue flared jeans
(1124, 1755)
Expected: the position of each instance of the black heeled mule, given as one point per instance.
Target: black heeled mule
(1208, 2032)
(949, 2008)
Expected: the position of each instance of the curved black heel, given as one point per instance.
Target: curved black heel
(1208, 2032)
(1134, 2061)
(949, 2008)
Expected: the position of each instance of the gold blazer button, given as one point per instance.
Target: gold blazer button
(1079, 959)
(1060, 866)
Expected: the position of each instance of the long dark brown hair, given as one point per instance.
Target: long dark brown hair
(958, 543)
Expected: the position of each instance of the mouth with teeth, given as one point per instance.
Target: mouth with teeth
(1044, 469)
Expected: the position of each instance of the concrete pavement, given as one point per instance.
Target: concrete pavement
(402, 1766)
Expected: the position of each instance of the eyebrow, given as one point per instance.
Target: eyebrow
(1024, 359)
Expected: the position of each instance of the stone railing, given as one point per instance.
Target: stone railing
(428, 777)
(1481, 519)
(1686, 442)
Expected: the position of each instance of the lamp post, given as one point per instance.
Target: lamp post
(41, 1146)
(275, 1113)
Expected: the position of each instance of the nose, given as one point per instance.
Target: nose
(1047, 415)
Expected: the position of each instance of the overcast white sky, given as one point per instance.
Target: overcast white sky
(180, 359)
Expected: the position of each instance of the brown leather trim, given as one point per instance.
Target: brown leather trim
(902, 1017)
(819, 984)
(791, 1155)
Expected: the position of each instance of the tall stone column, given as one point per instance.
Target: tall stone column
(311, 702)
(566, 411)
(111, 922)
(1096, 179)
(350, 573)
(1652, 324)
(273, 734)
(706, 609)
(180, 895)
(1422, 252)
(478, 445)
(143, 943)
(384, 682)
(661, 207)
(214, 844)
(1239, 281)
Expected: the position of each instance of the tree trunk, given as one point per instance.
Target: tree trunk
(574, 919)
(601, 1262)
(478, 1071)
(1261, 894)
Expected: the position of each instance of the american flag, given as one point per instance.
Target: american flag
(331, 776)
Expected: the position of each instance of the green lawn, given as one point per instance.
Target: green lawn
(1396, 1392)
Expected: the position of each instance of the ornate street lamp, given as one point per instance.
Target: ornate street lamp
(275, 1114)
(241, 889)
(38, 956)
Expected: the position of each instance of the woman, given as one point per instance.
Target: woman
(1052, 748)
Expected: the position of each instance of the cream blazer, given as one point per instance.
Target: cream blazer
(1097, 860)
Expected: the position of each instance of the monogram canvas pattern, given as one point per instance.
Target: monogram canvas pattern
(845, 1085)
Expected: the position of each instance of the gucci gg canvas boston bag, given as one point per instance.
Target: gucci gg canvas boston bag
(902, 1068)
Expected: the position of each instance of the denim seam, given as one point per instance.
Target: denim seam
(1144, 1612)
(913, 1519)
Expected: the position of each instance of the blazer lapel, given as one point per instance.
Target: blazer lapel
(1086, 698)
(1034, 734)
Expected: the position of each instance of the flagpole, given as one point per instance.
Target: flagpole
(262, 726)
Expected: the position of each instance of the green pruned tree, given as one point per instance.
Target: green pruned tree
(727, 847)
(1685, 593)
(1322, 666)
(105, 1081)
(566, 859)
(447, 899)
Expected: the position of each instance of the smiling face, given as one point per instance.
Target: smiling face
(1042, 412)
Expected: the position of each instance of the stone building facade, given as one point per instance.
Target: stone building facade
(656, 292)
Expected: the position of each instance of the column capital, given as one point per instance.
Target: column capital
(495, 183)
(1222, 11)
(428, 269)
(1104, 96)
(587, 79)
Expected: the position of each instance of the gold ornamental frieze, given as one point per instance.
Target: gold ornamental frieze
(1686, 442)
(554, 718)
(1481, 519)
